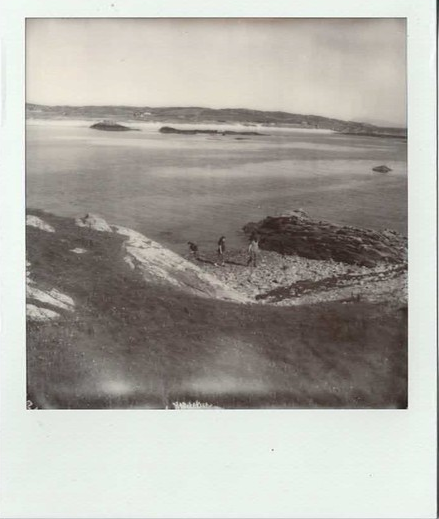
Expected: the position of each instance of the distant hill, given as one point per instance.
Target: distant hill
(209, 115)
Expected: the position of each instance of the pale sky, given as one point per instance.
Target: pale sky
(350, 69)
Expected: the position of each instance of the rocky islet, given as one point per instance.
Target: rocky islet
(296, 233)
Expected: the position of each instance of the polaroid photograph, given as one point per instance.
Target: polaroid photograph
(231, 215)
(217, 226)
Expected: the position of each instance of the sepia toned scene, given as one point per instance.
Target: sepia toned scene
(216, 214)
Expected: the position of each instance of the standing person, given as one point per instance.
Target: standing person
(193, 247)
(284, 266)
(253, 250)
(221, 249)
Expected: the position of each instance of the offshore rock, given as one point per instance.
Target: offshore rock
(382, 169)
(297, 234)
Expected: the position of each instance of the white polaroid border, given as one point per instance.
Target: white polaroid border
(227, 464)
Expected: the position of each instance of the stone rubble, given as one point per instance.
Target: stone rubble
(291, 280)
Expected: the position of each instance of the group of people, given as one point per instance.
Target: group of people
(253, 250)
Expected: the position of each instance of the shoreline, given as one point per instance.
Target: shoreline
(183, 125)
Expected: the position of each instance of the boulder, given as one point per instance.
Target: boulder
(94, 222)
(35, 221)
(382, 169)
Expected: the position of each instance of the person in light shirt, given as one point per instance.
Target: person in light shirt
(253, 251)
(221, 250)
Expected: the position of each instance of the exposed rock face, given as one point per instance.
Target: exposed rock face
(35, 221)
(51, 297)
(110, 126)
(42, 303)
(160, 265)
(35, 313)
(94, 222)
(156, 264)
(297, 234)
(382, 169)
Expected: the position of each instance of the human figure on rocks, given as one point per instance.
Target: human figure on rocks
(221, 249)
(193, 247)
(284, 260)
(253, 250)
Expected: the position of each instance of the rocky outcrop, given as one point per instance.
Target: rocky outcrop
(169, 129)
(50, 297)
(35, 221)
(156, 264)
(44, 304)
(36, 313)
(93, 222)
(297, 234)
(110, 126)
(159, 265)
(382, 169)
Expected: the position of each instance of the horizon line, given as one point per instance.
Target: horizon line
(210, 108)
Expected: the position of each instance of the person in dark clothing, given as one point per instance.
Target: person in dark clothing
(221, 249)
(193, 247)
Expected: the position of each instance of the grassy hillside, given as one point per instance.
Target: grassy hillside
(209, 115)
(135, 344)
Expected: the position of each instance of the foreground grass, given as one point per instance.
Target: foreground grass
(130, 344)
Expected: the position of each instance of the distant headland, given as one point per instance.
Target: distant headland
(199, 115)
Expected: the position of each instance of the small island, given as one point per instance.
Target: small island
(170, 129)
(381, 169)
(111, 126)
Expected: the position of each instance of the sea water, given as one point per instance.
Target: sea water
(179, 188)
